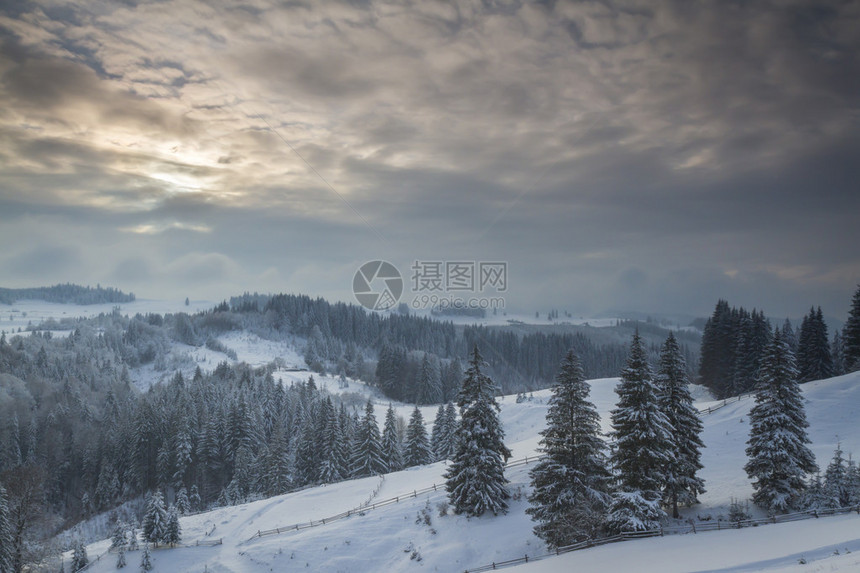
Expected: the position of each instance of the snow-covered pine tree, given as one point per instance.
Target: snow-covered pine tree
(417, 450)
(194, 498)
(392, 452)
(681, 485)
(334, 466)
(436, 434)
(851, 336)
(306, 466)
(146, 559)
(132, 539)
(429, 382)
(449, 445)
(120, 558)
(475, 480)
(451, 380)
(173, 532)
(155, 518)
(79, 556)
(183, 506)
(779, 458)
(837, 489)
(571, 484)
(814, 498)
(367, 450)
(183, 451)
(644, 448)
(6, 541)
(118, 539)
(853, 477)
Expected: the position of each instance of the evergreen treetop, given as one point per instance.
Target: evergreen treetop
(475, 480)
(779, 459)
(572, 483)
(682, 485)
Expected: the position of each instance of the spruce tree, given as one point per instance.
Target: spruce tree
(837, 354)
(853, 478)
(429, 382)
(417, 450)
(788, 335)
(173, 532)
(571, 483)
(837, 487)
(6, 541)
(194, 498)
(146, 559)
(307, 463)
(475, 480)
(643, 446)
(453, 426)
(851, 335)
(814, 360)
(183, 506)
(367, 451)
(79, 556)
(681, 484)
(718, 349)
(335, 450)
(451, 381)
(392, 452)
(437, 435)
(155, 518)
(132, 539)
(120, 558)
(779, 458)
(118, 538)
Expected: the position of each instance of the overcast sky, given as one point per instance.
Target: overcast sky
(650, 156)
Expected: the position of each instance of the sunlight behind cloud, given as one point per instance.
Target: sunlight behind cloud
(160, 227)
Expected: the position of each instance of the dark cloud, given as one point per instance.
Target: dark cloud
(649, 155)
(42, 262)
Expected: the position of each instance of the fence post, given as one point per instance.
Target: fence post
(527, 557)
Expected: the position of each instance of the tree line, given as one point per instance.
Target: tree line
(77, 439)
(66, 293)
(734, 341)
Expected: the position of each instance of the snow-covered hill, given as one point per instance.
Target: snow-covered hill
(415, 533)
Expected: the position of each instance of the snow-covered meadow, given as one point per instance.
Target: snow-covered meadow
(417, 533)
(398, 536)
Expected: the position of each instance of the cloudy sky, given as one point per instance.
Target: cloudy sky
(644, 155)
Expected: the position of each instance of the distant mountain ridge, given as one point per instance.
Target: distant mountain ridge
(66, 293)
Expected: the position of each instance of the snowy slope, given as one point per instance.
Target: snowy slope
(33, 312)
(394, 537)
(831, 544)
